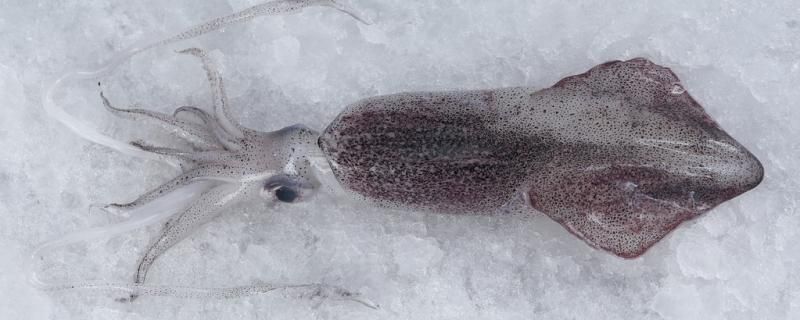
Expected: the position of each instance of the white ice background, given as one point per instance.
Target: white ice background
(739, 59)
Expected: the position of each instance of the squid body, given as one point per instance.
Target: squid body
(619, 155)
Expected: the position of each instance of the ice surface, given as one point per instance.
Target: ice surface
(740, 59)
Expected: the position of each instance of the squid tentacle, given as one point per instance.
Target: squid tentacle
(178, 227)
(211, 157)
(196, 112)
(218, 96)
(214, 127)
(199, 157)
(194, 133)
(210, 121)
(205, 172)
(200, 194)
(182, 154)
(143, 215)
(280, 7)
(86, 131)
(307, 291)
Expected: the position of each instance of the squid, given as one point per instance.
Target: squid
(620, 156)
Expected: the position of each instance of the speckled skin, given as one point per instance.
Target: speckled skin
(619, 155)
(244, 164)
(445, 151)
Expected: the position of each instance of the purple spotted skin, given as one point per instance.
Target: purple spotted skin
(619, 155)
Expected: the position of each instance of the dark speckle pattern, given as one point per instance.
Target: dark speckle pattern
(430, 150)
(619, 155)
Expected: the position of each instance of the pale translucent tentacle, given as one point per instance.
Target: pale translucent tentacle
(196, 112)
(206, 208)
(206, 117)
(172, 152)
(222, 124)
(218, 96)
(152, 212)
(200, 114)
(301, 291)
(197, 157)
(349, 11)
(88, 132)
(216, 172)
(271, 8)
(194, 133)
(228, 142)
(214, 156)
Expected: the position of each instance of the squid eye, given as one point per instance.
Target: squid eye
(285, 194)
